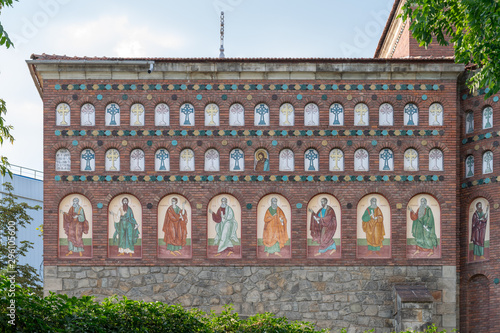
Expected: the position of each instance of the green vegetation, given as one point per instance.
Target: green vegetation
(470, 25)
(4, 129)
(60, 313)
(13, 216)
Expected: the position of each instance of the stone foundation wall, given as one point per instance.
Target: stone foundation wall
(357, 298)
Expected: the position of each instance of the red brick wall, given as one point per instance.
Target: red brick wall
(477, 279)
(403, 45)
(348, 193)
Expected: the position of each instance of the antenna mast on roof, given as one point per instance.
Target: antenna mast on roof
(221, 55)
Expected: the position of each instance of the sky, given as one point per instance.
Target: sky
(168, 28)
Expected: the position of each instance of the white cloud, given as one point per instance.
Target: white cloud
(116, 36)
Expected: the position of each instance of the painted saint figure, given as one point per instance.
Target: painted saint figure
(323, 227)
(75, 224)
(479, 223)
(126, 229)
(423, 228)
(175, 227)
(275, 229)
(373, 226)
(225, 228)
(262, 162)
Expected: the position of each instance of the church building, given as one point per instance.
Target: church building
(355, 193)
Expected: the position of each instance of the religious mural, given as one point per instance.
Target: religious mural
(63, 115)
(479, 230)
(487, 162)
(336, 114)
(237, 115)
(436, 160)
(137, 160)
(162, 160)
(436, 114)
(469, 122)
(311, 160)
(361, 160)
(411, 160)
(323, 227)
(186, 116)
(361, 115)
(287, 115)
(137, 115)
(75, 227)
(385, 115)
(469, 166)
(386, 160)
(311, 115)
(287, 160)
(125, 227)
(261, 115)
(236, 160)
(162, 115)
(423, 229)
(274, 216)
(212, 115)
(87, 160)
(112, 115)
(374, 227)
(186, 162)
(487, 117)
(224, 227)
(212, 160)
(336, 160)
(261, 160)
(63, 160)
(112, 161)
(174, 227)
(411, 115)
(87, 115)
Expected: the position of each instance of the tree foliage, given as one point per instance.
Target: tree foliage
(471, 26)
(61, 313)
(4, 37)
(4, 129)
(13, 216)
(4, 135)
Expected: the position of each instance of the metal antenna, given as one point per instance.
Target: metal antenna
(221, 55)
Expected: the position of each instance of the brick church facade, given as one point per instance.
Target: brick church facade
(139, 155)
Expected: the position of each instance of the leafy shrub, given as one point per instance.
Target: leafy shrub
(60, 313)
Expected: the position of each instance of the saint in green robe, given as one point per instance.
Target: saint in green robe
(126, 234)
(423, 228)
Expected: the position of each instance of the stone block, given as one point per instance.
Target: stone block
(449, 321)
(123, 272)
(83, 283)
(52, 284)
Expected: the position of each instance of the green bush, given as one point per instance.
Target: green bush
(60, 313)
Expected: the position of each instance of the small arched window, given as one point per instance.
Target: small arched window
(112, 162)
(63, 115)
(361, 160)
(411, 160)
(212, 160)
(63, 160)
(411, 115)
(287, 160)
(87, 160)
(386, 160)
(436, 160)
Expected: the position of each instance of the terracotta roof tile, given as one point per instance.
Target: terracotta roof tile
(44, 56)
